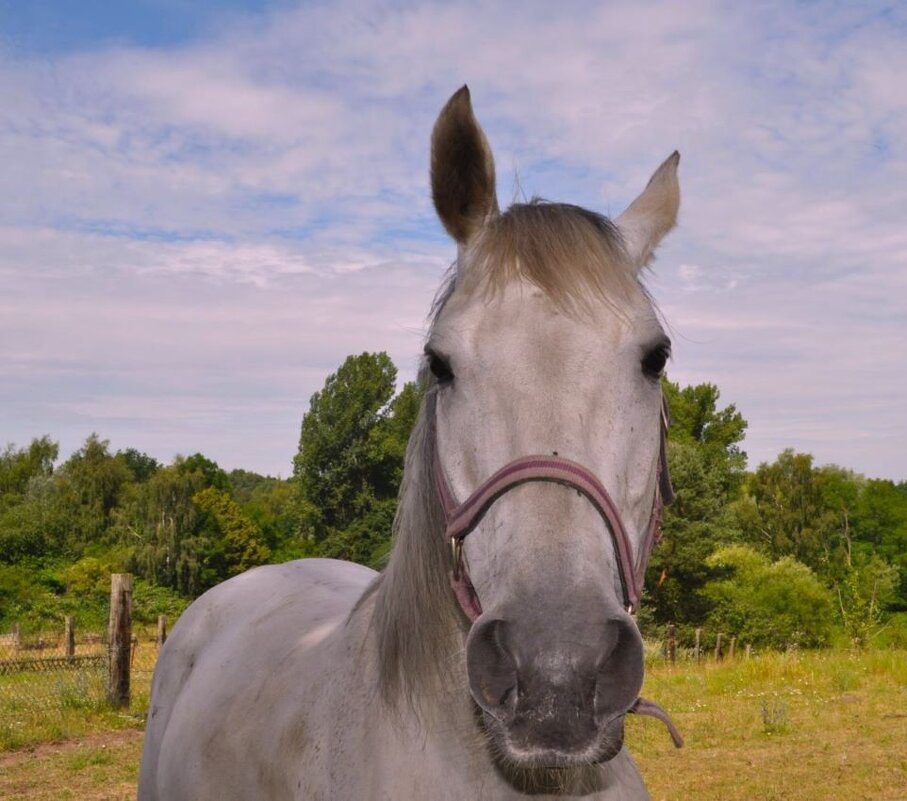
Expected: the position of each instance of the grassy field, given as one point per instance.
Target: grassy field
(824, 726)
(828, 726)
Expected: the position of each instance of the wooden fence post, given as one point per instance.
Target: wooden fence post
(69, 638)
(733, 648)
(749, 650)
(697, 647)
(672, 644)
(119, 638)
(718, 646)
(17, 637)
(161, 630)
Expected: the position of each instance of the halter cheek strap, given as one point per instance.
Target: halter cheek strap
(462, 518)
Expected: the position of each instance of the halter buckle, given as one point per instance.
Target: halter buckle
(456, 547)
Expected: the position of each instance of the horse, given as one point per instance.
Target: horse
(496, 656)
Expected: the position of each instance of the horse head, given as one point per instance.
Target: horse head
(547, 345)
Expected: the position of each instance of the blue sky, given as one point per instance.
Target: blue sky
(209, 205)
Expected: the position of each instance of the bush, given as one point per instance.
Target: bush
(776, 604)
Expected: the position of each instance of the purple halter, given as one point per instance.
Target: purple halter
(462, 518)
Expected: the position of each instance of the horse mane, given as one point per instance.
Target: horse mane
(572, 255)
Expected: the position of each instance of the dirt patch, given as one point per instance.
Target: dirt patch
(107, 739)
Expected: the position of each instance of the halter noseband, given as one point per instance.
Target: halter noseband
(462, 518)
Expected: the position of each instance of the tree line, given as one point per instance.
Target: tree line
(789, 553)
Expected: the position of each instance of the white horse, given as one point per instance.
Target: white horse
(540, 437)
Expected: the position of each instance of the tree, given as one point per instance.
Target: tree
(333, 468)
(867, 587)
(91, 481)
(696, 419)
(240, 544)
(706, 465)
(166, 531)
(350, 459)
(788, 512)
(141, 465)
(18, 467)
(776, 604)
(272, 504)
(880, 526)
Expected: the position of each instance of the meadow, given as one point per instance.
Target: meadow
(807, 725)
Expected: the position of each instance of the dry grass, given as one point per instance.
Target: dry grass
(780, 727)
(810, 726)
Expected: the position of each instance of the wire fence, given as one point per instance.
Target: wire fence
(55, 684)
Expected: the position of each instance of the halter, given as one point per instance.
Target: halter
(462, 518)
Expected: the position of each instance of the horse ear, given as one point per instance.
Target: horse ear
(654, 213)
(462, 170)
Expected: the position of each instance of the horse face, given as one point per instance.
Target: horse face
(554, 661)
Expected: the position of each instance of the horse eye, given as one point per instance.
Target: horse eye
(653, 363)
(439, 367)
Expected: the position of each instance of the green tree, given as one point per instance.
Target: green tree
(240, 542)
(775, 604)
(717, 433)
(706, 465)
(787, 516)
(334, 468)
(272, 504)
(880, 528)
(91, 481)
(19, 466)
(141, 465)
(166, 532)
(350, 458)
(867, 587)
(38, 524)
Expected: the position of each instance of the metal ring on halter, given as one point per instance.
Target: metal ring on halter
(456, 546)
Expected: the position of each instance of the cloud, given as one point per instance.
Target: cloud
(254, 203)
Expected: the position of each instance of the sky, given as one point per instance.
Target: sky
(207, 206)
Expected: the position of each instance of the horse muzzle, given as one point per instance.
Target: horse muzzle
(553, 697)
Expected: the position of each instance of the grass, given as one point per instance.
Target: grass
(41, 707)
(103, 768)
(817, 726)
(808, 726)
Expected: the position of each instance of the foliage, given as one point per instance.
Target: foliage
(19, 467)
(241, 542)
(38, 596)
(706, 466)
(141, 466)
(350, 460)
(778, 604)
(867, 588)
(787, 515)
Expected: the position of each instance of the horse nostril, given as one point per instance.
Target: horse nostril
(620, 673)
(491, 667)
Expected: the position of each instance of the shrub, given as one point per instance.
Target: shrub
(777, 604)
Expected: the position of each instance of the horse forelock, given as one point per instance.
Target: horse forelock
(574, 255)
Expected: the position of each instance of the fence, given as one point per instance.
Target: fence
(49, 682)
(699, 646)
